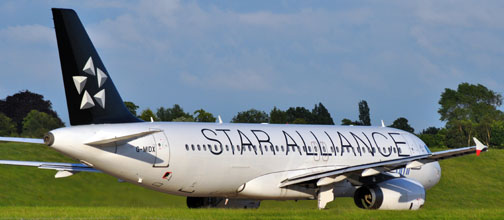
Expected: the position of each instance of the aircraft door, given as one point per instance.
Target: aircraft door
(162, 157)
(323, 151)
(316, 155)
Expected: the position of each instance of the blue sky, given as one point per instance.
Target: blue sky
(230, 56)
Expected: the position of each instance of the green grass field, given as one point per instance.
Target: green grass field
(471, 188)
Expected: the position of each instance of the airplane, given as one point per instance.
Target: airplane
(229, 164)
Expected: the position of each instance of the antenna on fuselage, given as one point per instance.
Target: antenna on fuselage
(383, 124)
(219, 119)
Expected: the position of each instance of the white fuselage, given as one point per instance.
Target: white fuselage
(237, 160)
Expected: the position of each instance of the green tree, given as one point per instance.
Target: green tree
(320, 115)
(203, 116)
(36, 124)
(251, 116)
(299, 121)
(7, 126)
(169, 114)
(17, 107)
(278, 116)
(131, 107)
(147, 114)
(402, 123)
(497, 138)
(469, 111)
(184, 119)
(298, 113)
(433, 137)
(347, 121)
(364, 116)
(430, 130)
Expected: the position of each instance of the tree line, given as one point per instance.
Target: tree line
(469, 111)
(27, 114)
(293, 115)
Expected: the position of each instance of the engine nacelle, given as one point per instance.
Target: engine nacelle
(393, 194)
(216, 202)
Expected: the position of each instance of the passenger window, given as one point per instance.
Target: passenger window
(187, 147)
(192, 147)
(199, 148)
(204, 147)
(227, 147)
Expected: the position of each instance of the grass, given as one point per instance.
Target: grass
(471, 188)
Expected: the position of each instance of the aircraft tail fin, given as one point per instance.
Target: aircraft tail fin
(90, 93)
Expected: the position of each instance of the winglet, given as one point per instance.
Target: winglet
(479, 146)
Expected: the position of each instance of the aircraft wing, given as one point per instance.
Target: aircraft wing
(371, 169)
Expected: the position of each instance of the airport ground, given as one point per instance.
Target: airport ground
(471, 188)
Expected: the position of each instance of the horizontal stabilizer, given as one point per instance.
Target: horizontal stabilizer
(125, 138)
(71, 167)
(22, 140)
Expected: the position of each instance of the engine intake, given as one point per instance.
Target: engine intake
(393, 194)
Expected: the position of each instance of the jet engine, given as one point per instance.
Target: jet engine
(392, 194)
(216, 202)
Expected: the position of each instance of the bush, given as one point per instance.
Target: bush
(36, 124)
(7, 126)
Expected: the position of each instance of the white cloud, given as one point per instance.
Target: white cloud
(28, 34)
(315, 53)
(239, 80)
(474, 14)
